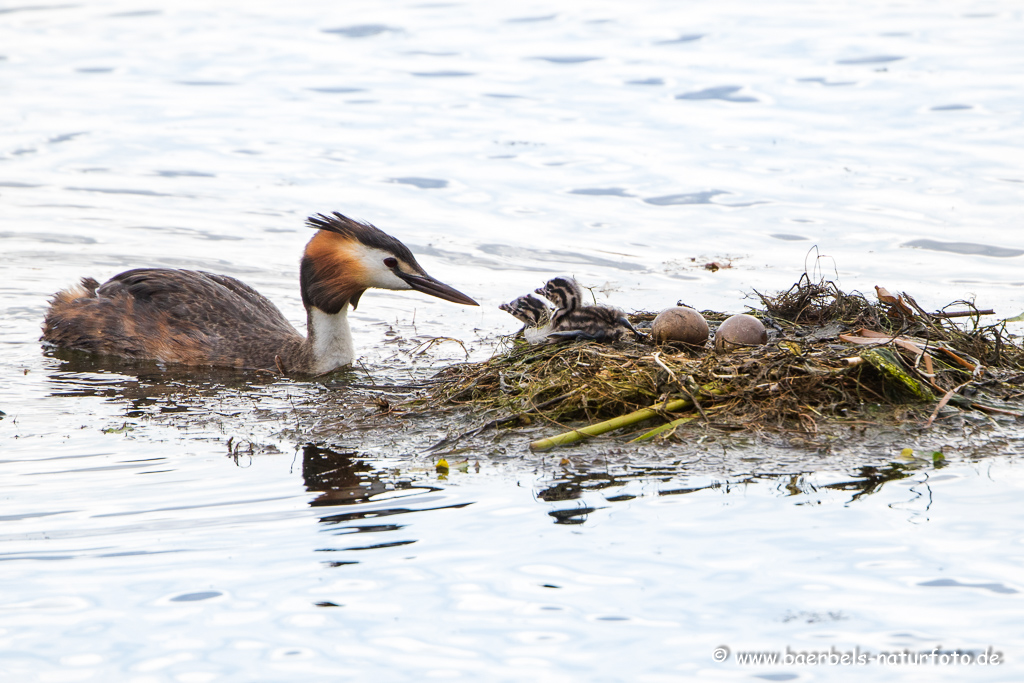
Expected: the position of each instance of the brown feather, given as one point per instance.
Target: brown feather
(330, 272)
(174, 316)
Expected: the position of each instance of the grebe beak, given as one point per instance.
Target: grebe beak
(428, 285)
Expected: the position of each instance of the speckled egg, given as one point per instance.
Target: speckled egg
(739, 331)
(680, 324)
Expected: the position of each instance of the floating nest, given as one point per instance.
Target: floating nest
(832, 359)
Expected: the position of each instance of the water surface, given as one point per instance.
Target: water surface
(209, 526)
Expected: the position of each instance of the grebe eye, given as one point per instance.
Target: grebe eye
(391, 262)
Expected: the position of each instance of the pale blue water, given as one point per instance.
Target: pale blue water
(627, 144)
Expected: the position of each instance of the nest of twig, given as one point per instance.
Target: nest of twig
(832, 358)
(819, 303)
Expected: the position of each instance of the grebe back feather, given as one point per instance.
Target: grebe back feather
(598, 322)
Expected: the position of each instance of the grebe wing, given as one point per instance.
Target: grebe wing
(205, 299)
(169, 315)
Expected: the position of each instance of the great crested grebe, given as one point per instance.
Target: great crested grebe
(565, 293)
(572, 319)
(533, 313)
(197, 318)
(601, 323)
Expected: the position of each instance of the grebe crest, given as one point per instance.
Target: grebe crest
(199, 318)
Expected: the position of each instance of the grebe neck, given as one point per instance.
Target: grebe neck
(328, 340)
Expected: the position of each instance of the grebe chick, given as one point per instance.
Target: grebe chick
(528, 310)
(198, 318)
(605, 324)
(565, 293)
(533, 313)
(572, 319)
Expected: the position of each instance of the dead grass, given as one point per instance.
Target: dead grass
(808, 377)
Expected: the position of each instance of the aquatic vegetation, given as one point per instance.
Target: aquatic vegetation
(833, 359)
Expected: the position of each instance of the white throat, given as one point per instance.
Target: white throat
(331, 339)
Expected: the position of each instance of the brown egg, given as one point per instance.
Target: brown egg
(739, 331)
(680, 324)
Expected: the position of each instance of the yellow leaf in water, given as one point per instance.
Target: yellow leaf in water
(123, 429)
(442, 464)
(907, 454)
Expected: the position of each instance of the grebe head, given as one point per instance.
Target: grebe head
(528, 309)
(564, 292)
(347, 257)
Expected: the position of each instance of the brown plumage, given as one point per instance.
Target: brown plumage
(174, 316)
(199, 318)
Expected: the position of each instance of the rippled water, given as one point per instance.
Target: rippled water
(159, 526)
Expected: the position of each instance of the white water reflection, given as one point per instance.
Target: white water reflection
(626, 144)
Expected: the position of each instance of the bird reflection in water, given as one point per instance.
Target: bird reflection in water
(340, 477)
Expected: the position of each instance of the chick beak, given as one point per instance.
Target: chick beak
(428, 285)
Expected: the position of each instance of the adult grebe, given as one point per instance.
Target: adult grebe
(197, 318)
